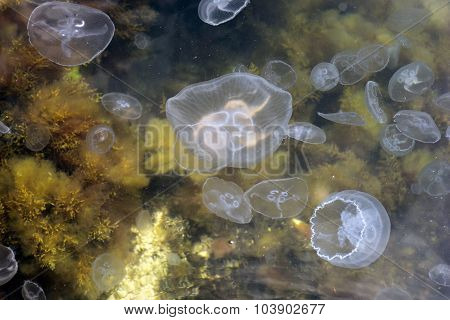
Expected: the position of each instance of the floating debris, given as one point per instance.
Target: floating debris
(348, 118)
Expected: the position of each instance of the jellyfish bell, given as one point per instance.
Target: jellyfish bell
(37, 137)
(107, 271)
(4, 129)
(69, 34)
(122, 105)
(373, 58)
(417, 125)
(440, 274)
(374, 102)
(434, 179)
(215, 12)
(306, 132)
(350, 72)
(8, 264)
(324, 76)
(32, 291)
(410, 81)
(280, 74)
(347, 118)
(395, 142)
(100, 139)
(443, 101)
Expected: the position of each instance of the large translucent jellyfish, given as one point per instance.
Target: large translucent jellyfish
(440, 274)
(350, 71)
(324, 76)
(306, 132)
(122, 105)
(226, 200)
(279, 73)
(410, 81)
(32, 291)
(231, 120)
(373, 58)
(374, 102)
(417, 125)
(69, 34)
(4, 129)
(278, 198)
(37, 137)
(350, 229)
(443, 101)
(8, 264)
(395, 142)
(215, 12)
(348, 118)
(393, 293)
(434, 179)
(107, 271)
(100, 139)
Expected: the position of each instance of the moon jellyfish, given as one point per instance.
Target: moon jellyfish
(69, 34)
(226, 200)
(393, 293)
(37, 137)
(122, 105)
(443, 101)
(447, 133)
(100, 139)
(231, 120)
(395, 142)
(410, 81)
(8, 264)
(240, 68)
(324, 76)
(374, 101)
(306, 132)
(144, 220)
(405, 18)
(440, 274)
(350, 71)
(350, 229)
(373, 58)
(434, 179)
(348, 118)
(107, 271)
(141, 41)
(215, 12)
(417, 125)
(278, 198)
(4, 129)
(32, 291)
(173, 259)
(279, 73)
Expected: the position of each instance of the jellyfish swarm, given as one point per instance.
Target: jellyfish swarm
(350, 229)
(440, 274)
(280, 74)
(32, 291)
(69, 34)
(37, 137)
(410, 81)
(100, 139)
(434, 179)
(348, 118)
(374, 101)
(122, 105)
(324, 76)
(417, 125)
(232, 120)
(215, 12)
(395, 142)
(8, 264)
(306, 132)
(226, 200)
(107, 271)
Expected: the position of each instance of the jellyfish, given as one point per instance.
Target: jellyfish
(374, 102)
(8, 264)
(417, 125)
(69, 34)
(403, 19)
(440, 274)
(100, 139)
(306, 132)
(107, 271)
(143, 220)
(215, 12)
(434, 179)
(348, 118)
(37, 137)
(395, 142)
(226, 200)
(373, 58)
(324, 76)
(240, 68)
(410, 81)
(141, 41)
(122, 105)
(350, 229)
(278, 198)
(4, 129)
(280, 74)
(231, 120)
(350, 71)
(393, 293)
(32, 291)
(443, 101)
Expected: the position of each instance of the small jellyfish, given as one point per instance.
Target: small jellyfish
(393, 293)
(4, 129)
(122, 105)
(373, 58)
(226, 200)
(410, 81)
(141, 41)
(37, 137)
(215, 12)
(143, 221)
(8, 264)
(348, 118)
(350, 72)
(395, 142)
(278, 198)
(107, 271)
(32, 291)
(306, 132)
(240, 68)
(443, 101)
(440, 274)
(100, 139)
(280, 74)
(374, 102)
(434, 179)
(350, 229)
(324, 76)
(69, 34)
(417, 125)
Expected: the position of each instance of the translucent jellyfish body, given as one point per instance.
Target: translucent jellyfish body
(122, 105)
(440, 274)
(350, 71)
(324, 76)
(69, 34)
(373, 58)
(306, 132)
(348, 118)
(32, 291)
(226, 200)
(37, 137)
(395, 142)
(240, 68)
(231, 120)
(215, 12)
(8, 264)
(100, 139)
(107, 271)
(417, 125)
(405, 18)
(280, 74)
(350, 229)
(374, 101)
(278, 198)
(434, 179)
(443, 101)
(410, 81)
(4, 128)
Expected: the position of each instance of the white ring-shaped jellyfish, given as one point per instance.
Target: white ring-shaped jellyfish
(215, 12)
(350, 229)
